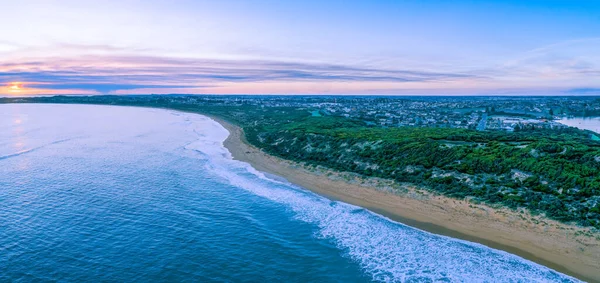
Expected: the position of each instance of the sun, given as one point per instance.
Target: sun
(15, 87)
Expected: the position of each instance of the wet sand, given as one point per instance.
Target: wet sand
(566, 248)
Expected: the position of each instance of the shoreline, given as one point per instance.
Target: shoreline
(564, 248)
(555, 245)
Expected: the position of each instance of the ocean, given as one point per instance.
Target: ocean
(122, 194)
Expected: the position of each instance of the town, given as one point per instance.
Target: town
(509, 113)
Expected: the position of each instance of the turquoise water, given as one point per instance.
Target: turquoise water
(117, 194)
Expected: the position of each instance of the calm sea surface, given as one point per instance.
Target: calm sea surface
(592, 123)
(117, 194)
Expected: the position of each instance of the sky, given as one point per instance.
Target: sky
(403, 47)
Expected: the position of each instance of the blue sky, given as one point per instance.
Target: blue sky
(298, 47)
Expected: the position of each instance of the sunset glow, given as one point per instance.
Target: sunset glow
(15, 87)
(361, 47)
(300, 141)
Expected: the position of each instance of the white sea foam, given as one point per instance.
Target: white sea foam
(389, 251)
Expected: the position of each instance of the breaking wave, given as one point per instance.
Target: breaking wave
(389, 251)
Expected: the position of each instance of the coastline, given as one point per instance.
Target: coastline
(564, 248)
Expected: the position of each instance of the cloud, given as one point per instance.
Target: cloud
(117, 73)
(7, 46)
(563, 60)
(563, 68)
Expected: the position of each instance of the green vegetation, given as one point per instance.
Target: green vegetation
(554, 172)
(550, 171)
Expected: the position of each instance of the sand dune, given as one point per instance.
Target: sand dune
(565, 248)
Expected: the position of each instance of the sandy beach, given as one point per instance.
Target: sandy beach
(566, 248)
